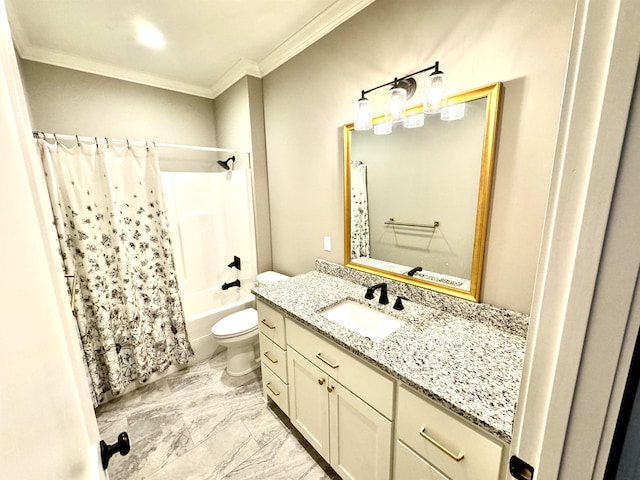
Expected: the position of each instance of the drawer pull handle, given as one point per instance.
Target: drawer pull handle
(272, 327)
(330, 388)
(424, 435)
(332, 365)
(321, 381)
(275, 392)
(270, 358)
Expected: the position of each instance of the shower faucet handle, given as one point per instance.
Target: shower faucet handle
(236, 263)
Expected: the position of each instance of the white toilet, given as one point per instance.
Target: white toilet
(239, 333)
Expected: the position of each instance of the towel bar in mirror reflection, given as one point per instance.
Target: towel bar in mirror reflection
(441, 170)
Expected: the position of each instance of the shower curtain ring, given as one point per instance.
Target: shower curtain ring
(106, 140)
(55, 137)
(128, 146)
(77, 140)
(147, 145)
(96, 139)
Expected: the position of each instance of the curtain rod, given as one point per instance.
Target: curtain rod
(133, 142)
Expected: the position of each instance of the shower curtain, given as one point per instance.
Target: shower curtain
(112, 229)
(359, 212)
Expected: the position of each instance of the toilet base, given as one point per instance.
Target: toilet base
(241, 359)
(244, 372)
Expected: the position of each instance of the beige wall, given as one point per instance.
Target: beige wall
(521, 43)
(77, 103)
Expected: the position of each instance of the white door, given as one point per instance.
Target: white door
(308, 402)
(47, 426)
(360, 437)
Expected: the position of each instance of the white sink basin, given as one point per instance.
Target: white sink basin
(363, 320)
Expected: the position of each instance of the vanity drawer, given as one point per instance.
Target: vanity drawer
(271, 324)
(372, 386)
(410, 466)
(275, 389)
(273, 357)
(418, 419)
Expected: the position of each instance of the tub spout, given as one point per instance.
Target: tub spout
(227, 286)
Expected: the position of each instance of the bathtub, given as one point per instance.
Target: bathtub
(204, 310)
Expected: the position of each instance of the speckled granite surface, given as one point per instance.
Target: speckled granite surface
(468, 363)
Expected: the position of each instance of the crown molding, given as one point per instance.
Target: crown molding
(336, 14)
(242, 68)
(330, 18)
(59, 59)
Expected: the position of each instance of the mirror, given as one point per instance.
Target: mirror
(417, 200)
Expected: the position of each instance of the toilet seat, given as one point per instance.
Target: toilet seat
(236, 324)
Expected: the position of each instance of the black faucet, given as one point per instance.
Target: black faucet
(384, 299)
(235, 263)
(413, 271)
(227, 286)
(398, 305)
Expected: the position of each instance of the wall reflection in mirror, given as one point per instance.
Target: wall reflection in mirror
(417, 201)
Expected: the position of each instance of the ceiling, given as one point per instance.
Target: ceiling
(209, 44)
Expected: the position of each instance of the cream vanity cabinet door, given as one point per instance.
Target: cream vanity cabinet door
(349, 433)
(440, 441)
(360, 437)
(309, 402)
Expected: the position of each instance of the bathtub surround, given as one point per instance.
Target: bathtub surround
(109, 214)
(211, 221)
(467, 357)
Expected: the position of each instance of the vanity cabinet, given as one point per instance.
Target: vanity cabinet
(347, 408)
(343, 427)
(273, 356)
(433, 442)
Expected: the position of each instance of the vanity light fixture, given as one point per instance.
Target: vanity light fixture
(403, 89)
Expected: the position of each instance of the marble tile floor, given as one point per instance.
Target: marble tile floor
(201, 424)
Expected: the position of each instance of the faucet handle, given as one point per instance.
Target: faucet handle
(369, 294)
(398, 305)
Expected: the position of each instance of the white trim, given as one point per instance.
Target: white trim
(60, 59)
(598, 91)
(333, 16)
(242, 68)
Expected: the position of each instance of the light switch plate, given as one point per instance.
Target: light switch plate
(327, 244)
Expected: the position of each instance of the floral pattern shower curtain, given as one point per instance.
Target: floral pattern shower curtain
(360, 246)
(112, 228)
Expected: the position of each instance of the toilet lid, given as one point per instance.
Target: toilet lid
(236, 323)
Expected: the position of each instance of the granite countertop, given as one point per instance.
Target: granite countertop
(471, 367)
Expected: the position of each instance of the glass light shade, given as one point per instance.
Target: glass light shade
(453, 112)
(363, 116)
(414, 121)
(397, 99)
(435, 94)
(382, 128)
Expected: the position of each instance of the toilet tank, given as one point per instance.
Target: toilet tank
(265, 278)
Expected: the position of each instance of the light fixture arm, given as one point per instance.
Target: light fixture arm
(435, 67)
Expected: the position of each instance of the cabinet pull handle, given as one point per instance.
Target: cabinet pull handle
(424, 435)
(272, 327)
(272, 360)
(275, 392)
(332, 365)
(321, 381)
(330, 388)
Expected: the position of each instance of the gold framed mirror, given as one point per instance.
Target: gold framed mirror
(416, 201)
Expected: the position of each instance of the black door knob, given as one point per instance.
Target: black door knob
(107, 451)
